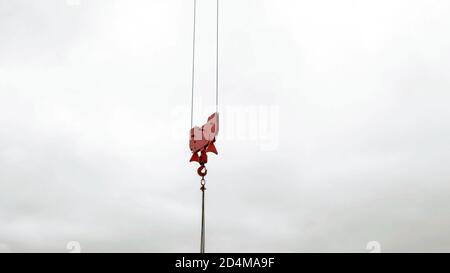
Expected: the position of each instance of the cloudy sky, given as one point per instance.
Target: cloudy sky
(334, 125)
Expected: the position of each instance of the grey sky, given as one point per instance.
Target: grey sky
(350, 142)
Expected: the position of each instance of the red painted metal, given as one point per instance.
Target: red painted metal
(201, 142)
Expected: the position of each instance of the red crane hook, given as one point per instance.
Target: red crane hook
(201, 142)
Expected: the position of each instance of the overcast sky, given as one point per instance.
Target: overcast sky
(334, 125)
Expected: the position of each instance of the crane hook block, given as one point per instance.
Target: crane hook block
(202, 140)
